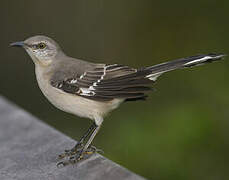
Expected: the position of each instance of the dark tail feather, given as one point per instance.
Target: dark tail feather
(157, 70)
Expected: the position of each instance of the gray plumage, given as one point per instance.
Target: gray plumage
(93, 90)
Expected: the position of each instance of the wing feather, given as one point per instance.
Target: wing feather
(108, 82)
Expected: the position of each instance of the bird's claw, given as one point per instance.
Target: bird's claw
(75, 158)
(71, 160)
(71, 152)
(75, 155)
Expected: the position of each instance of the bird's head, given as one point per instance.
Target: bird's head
(41, 49)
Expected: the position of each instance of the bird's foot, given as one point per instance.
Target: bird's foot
(77, 155)
(70, 152)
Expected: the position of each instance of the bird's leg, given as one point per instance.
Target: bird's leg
(79, 145)
(84, 152)
(82, 139)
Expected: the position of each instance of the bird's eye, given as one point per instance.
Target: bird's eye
(41, 45)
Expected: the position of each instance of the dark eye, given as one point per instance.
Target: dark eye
(41, 45)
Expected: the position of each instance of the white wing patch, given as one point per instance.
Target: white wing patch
(84, 74)
(90, 83)
(92, 88)
(90, 91)
(86, 92)
(73, 81)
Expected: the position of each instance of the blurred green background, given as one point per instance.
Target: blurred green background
(181, 132)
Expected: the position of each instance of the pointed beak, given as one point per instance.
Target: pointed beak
(18, 44)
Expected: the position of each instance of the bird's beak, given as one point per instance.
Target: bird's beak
(18, 44)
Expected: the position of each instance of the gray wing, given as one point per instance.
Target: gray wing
(106, 82)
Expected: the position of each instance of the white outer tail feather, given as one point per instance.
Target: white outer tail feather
(191, 62)
(202, 60)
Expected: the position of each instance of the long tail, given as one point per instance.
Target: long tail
(159, 69)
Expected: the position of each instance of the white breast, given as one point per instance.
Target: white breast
(72, 103)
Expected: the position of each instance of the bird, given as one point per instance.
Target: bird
(92, 90)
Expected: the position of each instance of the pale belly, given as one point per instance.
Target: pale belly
(74, 104)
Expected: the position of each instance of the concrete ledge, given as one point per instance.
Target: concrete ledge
(29, 148)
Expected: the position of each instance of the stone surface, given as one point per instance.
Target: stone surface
(29, 149)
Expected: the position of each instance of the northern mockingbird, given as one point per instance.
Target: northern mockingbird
(93, 90)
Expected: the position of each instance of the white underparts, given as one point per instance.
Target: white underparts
(71, 103)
